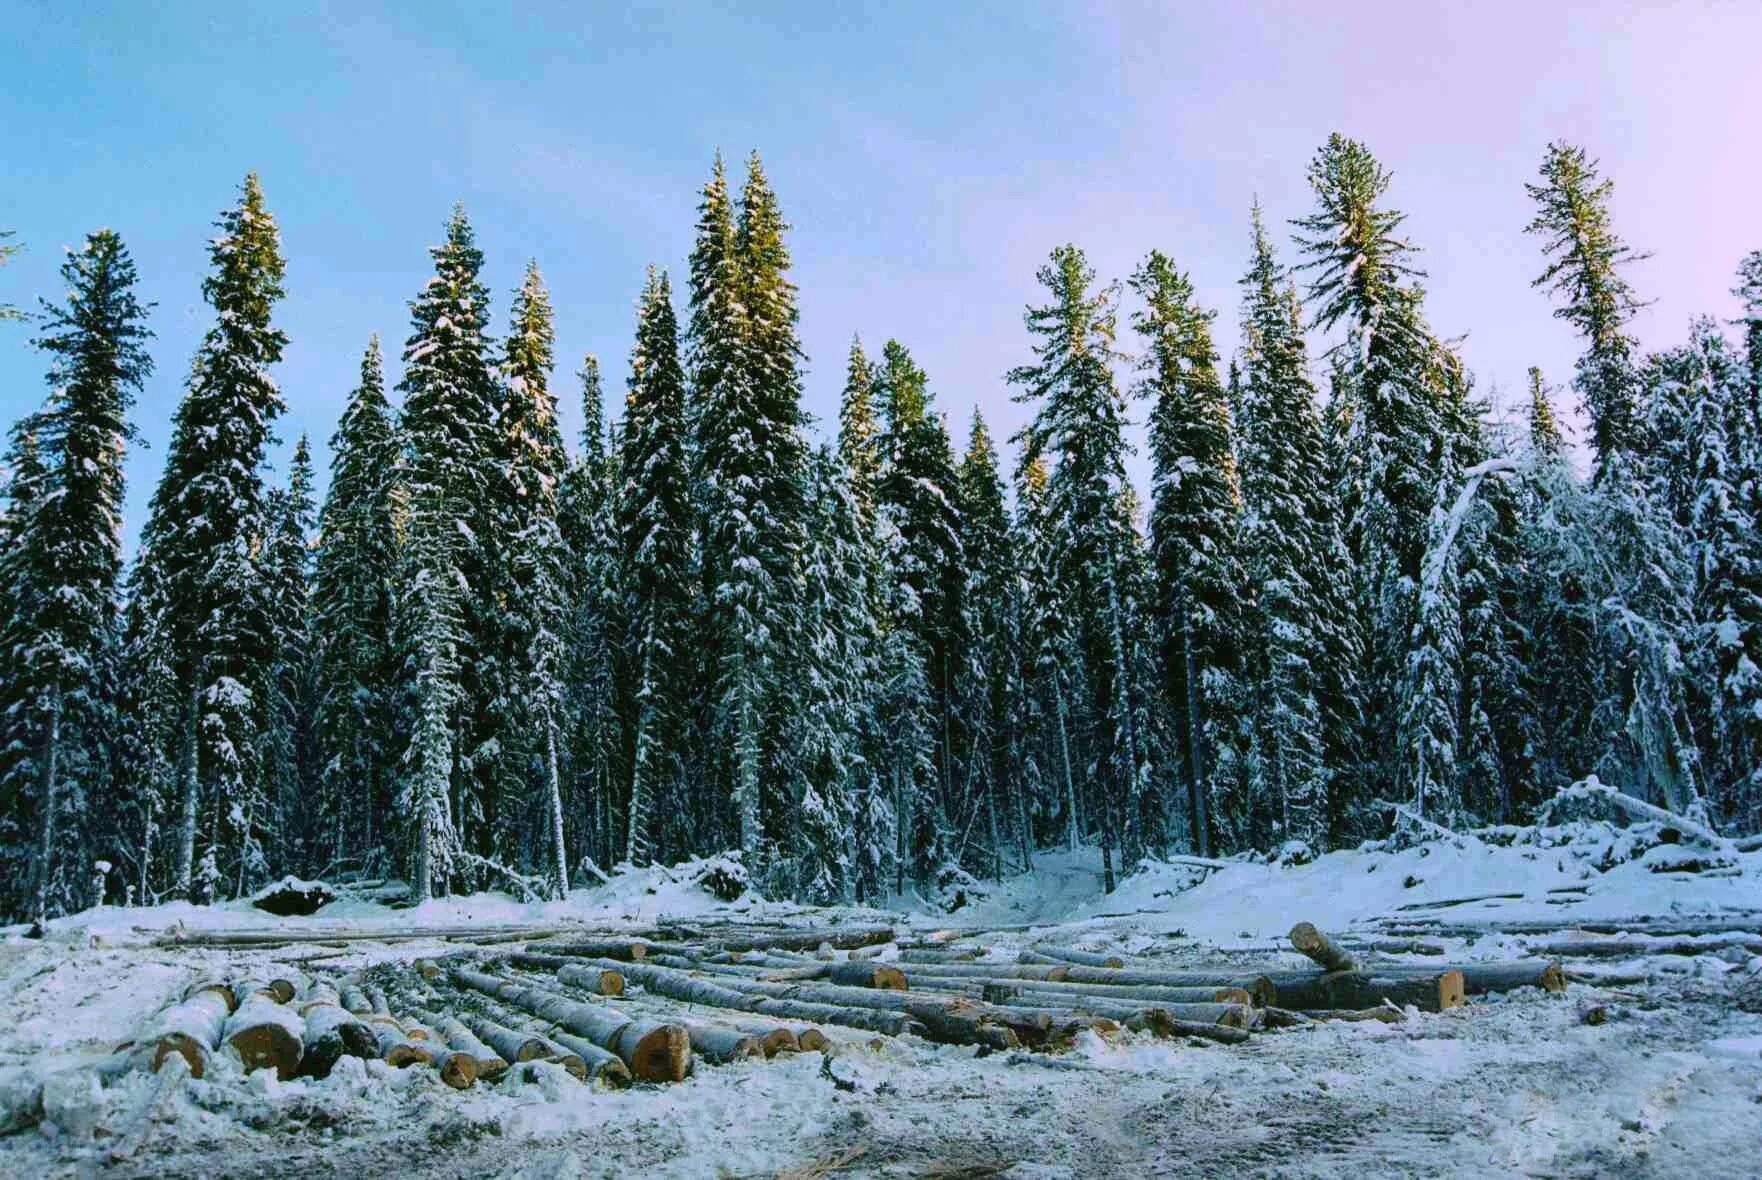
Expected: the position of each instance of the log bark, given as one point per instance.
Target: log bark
(1639, 948)
(678, 985)
(655, 1051)
(1066, 954)
(192, 1029)
(331, 1033)
(1350, 989)
(925, 955)
(720, 1045)
(1306, 939)
(509, 1044)
(1126, 1011)
(806, 938)
(1075, 994)
(490, 1064)
(812, 1040)
(602, 1065)
(601, 982)
(1478, 979)
(396, 1049)
(845, 974)
(624, 950)
(266, 1034)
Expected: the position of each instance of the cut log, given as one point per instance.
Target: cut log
(654, 1050)
(329, 1034)
(624, 950)
(1382, 1013)
(1052, 971)
(1306, 939)
(1639, 948)
(570, 1060)
(352, 997)
(192, 1029)
(1067, 954)
(845, 974)
(1392, 946)
(839, 937)
(1258, 990)
(926, 955)
(1478, 979)
(458, 1070)
(396, 1049)
(285, 987)
(1351, 989)
(509, 1044)
(720, 1045)
(678, 985)
(811, 1040)
(1233, 1015)
(490, 1064)
(601, 981)
(266, 1034)
(601, 1065)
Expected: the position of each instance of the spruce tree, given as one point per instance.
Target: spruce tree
(988, 596)
(199, 569)
(289, 754)
(1079, 423)
(1584, 260)
(531, 572)
(1289, 538)
(7, 250)
(918, 492)
(59, 569)
(352, 604)
(1388, 414)
(653, 513)
(1194, 523)
(749, 469)
(585, 520)
(451, 478)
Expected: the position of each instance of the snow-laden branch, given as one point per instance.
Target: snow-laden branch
(1593, 788)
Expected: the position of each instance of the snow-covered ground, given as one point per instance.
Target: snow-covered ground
(1511, 1085)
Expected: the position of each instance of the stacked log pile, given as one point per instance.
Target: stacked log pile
(612, 1008)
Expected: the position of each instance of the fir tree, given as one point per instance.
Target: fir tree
(289, 747)
(1080, 423)
(199, 572)
(654, 537)
(585, 520)
(449, 465)
(352, 604)
(988, 596)
(532, 574)
(749, 458)
(1194, 521)
(1289, 536)
(1584, 260)
(1388, 418)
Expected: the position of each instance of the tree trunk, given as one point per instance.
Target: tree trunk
(1306, 939)
(1433, 992)
(186, 836)
(560, 861)
(192, 1029)
(1064, 746)
(601, 1065)
(51, 786)
(653, 1050)
(266, 1034)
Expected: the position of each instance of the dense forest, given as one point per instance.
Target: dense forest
(896, 660)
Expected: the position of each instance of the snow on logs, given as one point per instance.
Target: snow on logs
(192, 1029)
(653, 1050)
(263, 1030)
(331, 1032)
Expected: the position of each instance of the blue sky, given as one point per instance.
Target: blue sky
(929, 155)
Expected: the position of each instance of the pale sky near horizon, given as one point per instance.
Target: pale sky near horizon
(928, 156)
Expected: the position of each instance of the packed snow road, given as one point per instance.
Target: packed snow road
(1515, 1084)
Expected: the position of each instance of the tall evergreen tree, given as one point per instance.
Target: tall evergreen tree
(1584, 260)
(59, 568)
(749, 455)
(1289, 541)
(352, 605)
(988, 596)
(1389, 421)
(1079, 422)
(1194, 524)
(532, 572)
(654, 537)
(450, 476)
(289, 747)
(199, 573)
(585, 519)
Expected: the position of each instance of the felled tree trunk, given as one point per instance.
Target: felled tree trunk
(654, 1051)
(331, 1032)
(265, 1033)
(1312, 942)
(192, 1029)
(601, 1065)
(1062, 954)
(1351, 989)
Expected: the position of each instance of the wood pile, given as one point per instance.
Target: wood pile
(612, 1008)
